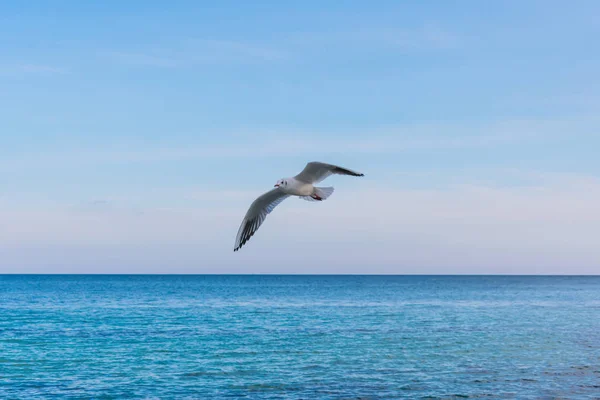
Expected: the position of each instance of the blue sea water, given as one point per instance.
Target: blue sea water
(299, 337)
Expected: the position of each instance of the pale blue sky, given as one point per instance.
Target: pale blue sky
(135, 134)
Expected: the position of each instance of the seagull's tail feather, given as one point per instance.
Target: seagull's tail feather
(323, 192)
(320, 194)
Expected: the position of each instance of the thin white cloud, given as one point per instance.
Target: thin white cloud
(391, 140)
(143, 59)
(430, 36)
(191, 52)
(232, 50)
(32, 69)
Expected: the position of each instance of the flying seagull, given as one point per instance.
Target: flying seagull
(300, 185)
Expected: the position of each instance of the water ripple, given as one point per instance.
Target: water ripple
(269, 337)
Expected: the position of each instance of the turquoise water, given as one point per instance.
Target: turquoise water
(305, 337)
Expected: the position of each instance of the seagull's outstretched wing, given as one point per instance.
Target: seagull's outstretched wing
(256, 215)
(315, 172)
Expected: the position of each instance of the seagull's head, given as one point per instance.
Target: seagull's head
(281, 183)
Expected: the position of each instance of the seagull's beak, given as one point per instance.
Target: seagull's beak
(276, 185)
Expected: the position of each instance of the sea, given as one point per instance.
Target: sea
(299, 337)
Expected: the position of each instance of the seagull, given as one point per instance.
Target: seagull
(300, 185)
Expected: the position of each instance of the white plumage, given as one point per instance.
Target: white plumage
(301, 185)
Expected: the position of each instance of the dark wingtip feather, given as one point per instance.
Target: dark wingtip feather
(248, 231)
(344, 171)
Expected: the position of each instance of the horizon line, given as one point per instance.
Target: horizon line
(286, 274)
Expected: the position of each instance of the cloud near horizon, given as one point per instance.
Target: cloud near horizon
(538, 229)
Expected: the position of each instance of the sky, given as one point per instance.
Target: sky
(134, 135)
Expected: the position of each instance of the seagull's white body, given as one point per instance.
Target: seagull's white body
(295, 187)
(301, 185)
